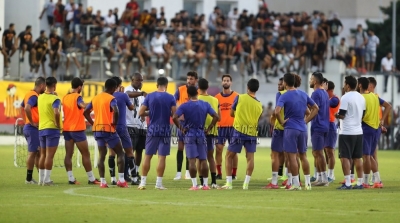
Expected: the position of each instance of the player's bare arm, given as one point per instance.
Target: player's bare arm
(144, 111)
(232, 113)
(175, 119)
(132, 94)
(388, 109)
(214, 121)
(28, 113)
(57, 117)
(86, 113)
(313, 112)
(116, 115)
(277, 115)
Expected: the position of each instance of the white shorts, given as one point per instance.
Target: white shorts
(334, 41)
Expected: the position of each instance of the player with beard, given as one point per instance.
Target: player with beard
(181, 97)
(225, 125)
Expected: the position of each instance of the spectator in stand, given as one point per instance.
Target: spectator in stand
(106, 44)
(144, 22)
(116, 15)
(212, 20)
(281, 55)
(261, 19)
(92, 47)
(352, 62)
(157, 49)
(49, 8)
(152, 23)
(134, 7)
(69, 14)
(109, 22)
(70, 51)
(120, 46)
(134, 50)
(40, 50)
(87, 19)
(388, 68)
(185, 20)
(221, 25)
(55, 51)
(221, 50)
(335, 28)
(289, 48)
(298, 27)
(176, 23)
(77, 19)
(9, 41)
(247, 54)
(161, 22)
(98, 21)
(233, 17)
(198, 48)
(245, 24)
(25, 41)
(300, 55)
(127, 20)
(342, 52)
(310, 40)
(210, 53)
(203, 23)
(370, 50)
(360, 41)
(179, 52)
(320, 49)
(162, 12)
(58, 15)
(315, 20)
(189, 53)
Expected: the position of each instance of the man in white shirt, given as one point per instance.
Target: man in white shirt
(370, 50)
(109, 21)
(69, 14)
(49, 8)
(387, 68)
(106, 40)
(233, 18)
(137, 127)
(351, 112)
(157, 48)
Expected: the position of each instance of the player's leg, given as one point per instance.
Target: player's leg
(235, 163)
(114, 142)
(69, 152)
(367, 144)
(318, 141)
(346, 147)
(42, 158)
(250, 146)
(276, 151)
(100, 164)
(111, 166)
(202, 152)
(51, 148)
(164, 149)
(292, 138)
(219, 150)
(357, 154)
(302, 148)
(234, 147)
(127, 145)
(32, 138)
(152, 144)
(374, 163)
(211, 161)
(330, 144)
(83, 147)
(179, 158)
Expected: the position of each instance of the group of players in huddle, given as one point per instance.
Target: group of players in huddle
(204, 121)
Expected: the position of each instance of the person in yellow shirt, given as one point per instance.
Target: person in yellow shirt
(50, 126)
(370, 126)
(213, 134)
(247, 111)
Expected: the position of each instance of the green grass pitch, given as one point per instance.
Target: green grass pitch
(84, 203)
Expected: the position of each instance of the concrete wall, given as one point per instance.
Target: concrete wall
(1, 34)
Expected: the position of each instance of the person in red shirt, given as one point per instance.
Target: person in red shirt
(58, 16)
(134, 6)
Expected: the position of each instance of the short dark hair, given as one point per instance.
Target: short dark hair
(253, 85)
(351, 81)
(192, 74)
(297, 81)
(118, 80)
(364, 82)
(162, 81)
(331, 85)
(319, 77)
(76, 82)
(281, 79)
(289, 79)
(40, 81)
(203, 84)
(51, 81)
(28, 27)
(192, 91)
(325, 80)
(226, 75)
(372, 80)
(136, 74)
(11, 25)
(110, 84)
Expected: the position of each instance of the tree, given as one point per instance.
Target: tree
(383, 30)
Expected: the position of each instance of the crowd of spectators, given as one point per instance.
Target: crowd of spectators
(266, 43)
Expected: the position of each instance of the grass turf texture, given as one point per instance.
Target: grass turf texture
(84, 203)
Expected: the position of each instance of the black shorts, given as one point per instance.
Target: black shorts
(106, 51)
(28, 46)
(321, 48)
(138, 138)
(219, 55)
(310, 49)
(8, 46)
(50, 20)
(351, 146)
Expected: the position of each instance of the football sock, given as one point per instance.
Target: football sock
(377, 177)
(205, 181)
(289, 182)
(366, 178)
(121, 177)
(280, 171)
(194, 182)
(90, 176)
(347, 180)
(247, 179)
(229, 179)
(103, 181)
(307, 180)
(111, 165)
(219, 170)
(296, 181)
(29, 175)
(324, 177)
(274, 180)
(41, 175)
(143, 181)
(159, 181)
(330, 173)
(47, 174)
(359, 181)
(71, 177)
(213, 178)
(234, 171)
(179, 161)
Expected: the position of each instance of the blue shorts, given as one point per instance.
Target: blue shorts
(318, 140)
(210, 142)
(294, 141)
(370, 140)
(331, 139)
(32, 138)
(49, 138)
(224, 134)
(196, 147)
(277, 141)
(125, 137)
(107, 138)
(158, 145)
(239, 140)
(75, 136)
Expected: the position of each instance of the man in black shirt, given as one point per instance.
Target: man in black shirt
(133, 48)
(335, 28)
(161, 22)
(245, 24)
(55, 50)
(185, 20)
(196, 23)
(25, 42)
(298, 26)
(247, 53)
(280, 54)
(8, 40)
(39, 53)
(221, 49)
